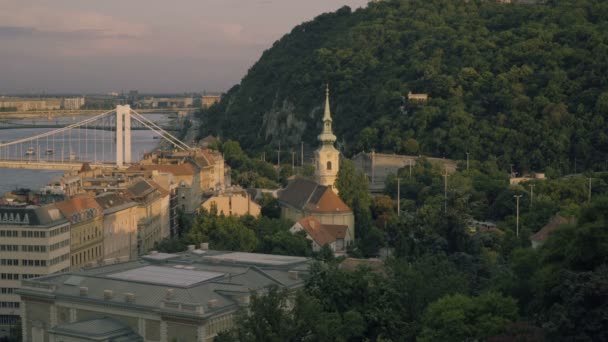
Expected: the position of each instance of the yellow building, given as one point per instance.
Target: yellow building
(233, 203)
(86, 219)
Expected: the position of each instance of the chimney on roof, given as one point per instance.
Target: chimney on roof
(108, 294)
(205, 245)
(130, 297)
(84, 291)
(153, 252)
(293, 275)
(191, 248)
(169, 294)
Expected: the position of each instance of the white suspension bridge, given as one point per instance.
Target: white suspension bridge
(102, 141)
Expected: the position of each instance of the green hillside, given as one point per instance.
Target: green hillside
(527, 84)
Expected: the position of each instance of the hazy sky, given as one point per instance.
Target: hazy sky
(151, 45)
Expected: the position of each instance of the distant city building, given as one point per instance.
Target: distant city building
(166, 102)
(72, 103)
(21, 104)
(34, 241)
(190, 296)
(209, 100)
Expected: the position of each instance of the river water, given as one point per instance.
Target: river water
(94, 145)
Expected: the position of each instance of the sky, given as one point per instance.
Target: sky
(100, 46)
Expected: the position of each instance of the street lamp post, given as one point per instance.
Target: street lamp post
(517, 216)
(398, 196)
(531, 193)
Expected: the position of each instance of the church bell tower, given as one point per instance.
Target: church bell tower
(326, 156)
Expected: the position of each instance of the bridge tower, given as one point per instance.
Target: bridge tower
(123, 150)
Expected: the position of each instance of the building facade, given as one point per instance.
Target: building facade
(184, 297)
(86, 220)
(119, 226)
(153, 210)
(237, 203)
(34, 241)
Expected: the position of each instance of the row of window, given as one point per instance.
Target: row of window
(8, 319)
(33, 248)
(60, 230)
(9, 276)
(9, 248)
(33, 234)
(60, 244)
(9, 262)
(7, 290)
(9, 305)
(28, 276)
(9, 233)
(59, 259)
(33, 263)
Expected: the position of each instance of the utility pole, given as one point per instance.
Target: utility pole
(302, 154)
(264, 156)
(517, 216)
(293, 160)
(398, 196)
(410, 162)
(467, 161)
(279, 156)
(511, 171)
(445, 190)
(589, 195)
(531, 193)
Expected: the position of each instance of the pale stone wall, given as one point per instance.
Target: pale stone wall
(120, 233)
(327, 165)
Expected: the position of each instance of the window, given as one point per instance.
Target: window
(329, 165)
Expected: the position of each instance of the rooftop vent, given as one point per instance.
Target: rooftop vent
(108, 294)
(213, 303)
(84, 291)
(130, 297)
(169, 294)
(190, 267)
(205, 245)
(293, 275)
(191, 248)
(153, 252)
(178, 266)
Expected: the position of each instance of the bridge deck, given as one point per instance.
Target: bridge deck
(42, 165)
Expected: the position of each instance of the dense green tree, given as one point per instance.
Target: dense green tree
(462, 318)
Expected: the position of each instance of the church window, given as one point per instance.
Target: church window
(329, 165)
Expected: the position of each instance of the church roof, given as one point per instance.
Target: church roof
(322, 234)
(304, 194)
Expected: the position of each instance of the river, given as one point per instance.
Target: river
(96, 145)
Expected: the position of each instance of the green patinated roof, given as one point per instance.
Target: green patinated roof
(99, 329)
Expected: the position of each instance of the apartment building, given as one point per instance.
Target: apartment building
(153, 204)
(86, 220)
(119, 226)
(34, 241)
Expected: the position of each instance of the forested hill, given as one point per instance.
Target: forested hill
(527, 84)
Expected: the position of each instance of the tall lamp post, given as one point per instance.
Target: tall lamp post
(517, 216)
(531, 193)
(398, 196)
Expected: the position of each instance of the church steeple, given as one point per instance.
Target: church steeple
(327, 158)
(327, 135)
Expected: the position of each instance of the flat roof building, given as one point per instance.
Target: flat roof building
(162, 297)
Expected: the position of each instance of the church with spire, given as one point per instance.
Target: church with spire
(327, 157)
(316, 200)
